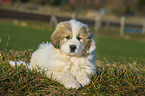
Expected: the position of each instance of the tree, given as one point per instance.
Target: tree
(141, 7)
(141, 4)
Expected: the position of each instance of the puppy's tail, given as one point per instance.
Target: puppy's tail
(14, 63)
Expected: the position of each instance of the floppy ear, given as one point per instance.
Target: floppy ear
(57, 34)
(55, 39)
(92, 46)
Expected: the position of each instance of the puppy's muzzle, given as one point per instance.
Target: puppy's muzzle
(72, 48)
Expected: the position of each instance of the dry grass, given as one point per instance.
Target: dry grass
(113, 78)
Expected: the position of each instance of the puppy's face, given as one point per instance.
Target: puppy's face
(73, 38)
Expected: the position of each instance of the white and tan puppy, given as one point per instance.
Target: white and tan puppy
(70, 57)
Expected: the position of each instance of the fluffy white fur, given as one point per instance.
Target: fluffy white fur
(69, 68)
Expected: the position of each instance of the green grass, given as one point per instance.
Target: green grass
(16, 37)
(120, 65)
(120, 48)
(21, 38)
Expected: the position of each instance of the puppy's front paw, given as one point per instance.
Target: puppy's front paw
(84, 81)
(72, 84)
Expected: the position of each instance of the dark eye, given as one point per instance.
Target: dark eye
(89, 37)
(79, 38)
(68, 37)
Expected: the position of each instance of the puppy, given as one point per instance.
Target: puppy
(70, 57)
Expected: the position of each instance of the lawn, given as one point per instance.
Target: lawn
(22, 38)
(120, 65)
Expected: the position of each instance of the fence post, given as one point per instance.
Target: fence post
(122, 26)
(53, 21)
(74, 15)
(143, 27)
(97, 23)
(107, 24)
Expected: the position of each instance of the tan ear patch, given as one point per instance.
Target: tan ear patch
(55, 40)
(92, 45)
(88, 39)
(63, 29)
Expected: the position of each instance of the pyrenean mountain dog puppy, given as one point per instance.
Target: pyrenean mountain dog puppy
(70, 56)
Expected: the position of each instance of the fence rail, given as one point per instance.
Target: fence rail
(97, 22)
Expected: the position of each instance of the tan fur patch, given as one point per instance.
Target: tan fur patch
(62, 30)
(86, 37)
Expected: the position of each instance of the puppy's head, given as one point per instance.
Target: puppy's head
(73, 38)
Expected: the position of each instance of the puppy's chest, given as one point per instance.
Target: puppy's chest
(76, 64)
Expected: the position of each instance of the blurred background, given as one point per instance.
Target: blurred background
(118, 25)
(117, 16)
(89, 7)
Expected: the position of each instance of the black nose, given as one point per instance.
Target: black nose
(72, 48)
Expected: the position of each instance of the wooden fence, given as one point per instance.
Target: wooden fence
(125, 24)
(123, 28)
